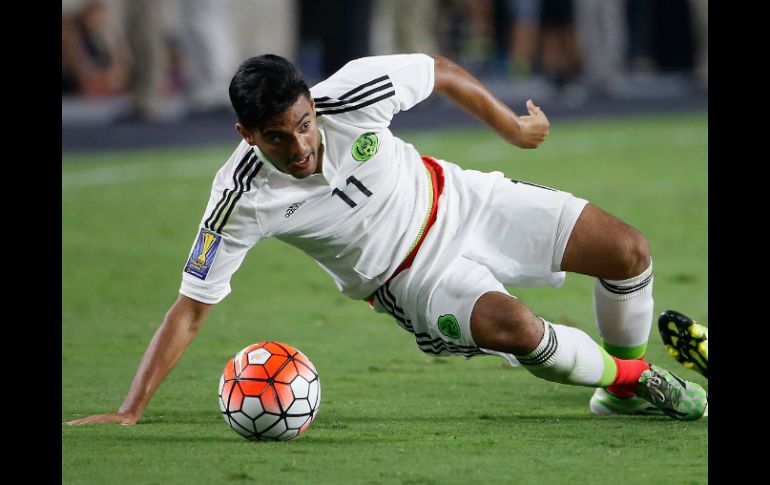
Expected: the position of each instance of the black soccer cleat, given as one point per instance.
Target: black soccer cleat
(685, 340)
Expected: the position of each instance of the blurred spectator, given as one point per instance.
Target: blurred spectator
(264, 27)
(466, 33)
(560, 53)
(95, 57)
(334, 31)
(404, 26)
(541, 39)
(451, 27)
(641, 36)
(415, 26)
(673, 29)
(146, 31)
(209, 53)
(523, 44)
(602, 32)
(172, 57)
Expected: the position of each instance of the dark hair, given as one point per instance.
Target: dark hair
(263, 87)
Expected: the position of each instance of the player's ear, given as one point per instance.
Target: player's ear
(245, 134)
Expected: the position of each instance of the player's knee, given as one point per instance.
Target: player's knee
(636, 255)
(500, 322)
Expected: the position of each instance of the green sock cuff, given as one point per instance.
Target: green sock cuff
(627, 353)
(610, 370)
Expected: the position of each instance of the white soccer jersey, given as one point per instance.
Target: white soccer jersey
(358, 219)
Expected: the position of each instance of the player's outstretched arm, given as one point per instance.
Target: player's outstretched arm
(179, 327)
(467, 92)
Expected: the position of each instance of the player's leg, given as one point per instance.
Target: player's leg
(516, 235)
(618, 255)
(460, 308)
(528, 233)
(568, 355)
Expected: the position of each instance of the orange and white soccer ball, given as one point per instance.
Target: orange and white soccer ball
(269, 391)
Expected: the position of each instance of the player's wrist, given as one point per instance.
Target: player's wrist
(512, 133)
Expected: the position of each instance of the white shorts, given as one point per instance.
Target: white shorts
(489, 232)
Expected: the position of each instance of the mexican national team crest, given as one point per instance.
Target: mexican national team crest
(203, 254)
(365, 146)
(449, 326)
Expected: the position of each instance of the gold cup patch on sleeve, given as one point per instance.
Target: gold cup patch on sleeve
(203, 253)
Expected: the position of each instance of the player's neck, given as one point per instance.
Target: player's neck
(320, 164)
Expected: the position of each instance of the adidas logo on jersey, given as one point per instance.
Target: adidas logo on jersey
(293, 208)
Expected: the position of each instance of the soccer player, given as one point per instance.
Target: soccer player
(419, 238)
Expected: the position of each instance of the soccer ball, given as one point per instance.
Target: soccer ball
(269, 391)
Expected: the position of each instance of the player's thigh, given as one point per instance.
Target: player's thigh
(440, 315)
(523, 232)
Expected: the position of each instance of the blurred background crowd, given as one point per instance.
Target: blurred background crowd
(155, 60)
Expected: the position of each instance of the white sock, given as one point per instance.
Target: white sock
(568, 355)
(623, 310)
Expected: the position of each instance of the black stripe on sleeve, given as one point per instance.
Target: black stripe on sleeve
(226, 194)
(355, 107)
(243, 188)
(352, 100)
(208, 222)
(365, 85)
(237, 190)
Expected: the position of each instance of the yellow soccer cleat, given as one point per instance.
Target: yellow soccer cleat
(685, 340)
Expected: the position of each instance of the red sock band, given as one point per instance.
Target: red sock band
(625, 382)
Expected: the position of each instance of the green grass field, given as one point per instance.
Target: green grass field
(389, 413)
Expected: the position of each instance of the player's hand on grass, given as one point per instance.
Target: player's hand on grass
(533, 128)
(118, 418)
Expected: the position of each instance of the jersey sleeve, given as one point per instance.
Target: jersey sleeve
(370, 90)
(228, 229)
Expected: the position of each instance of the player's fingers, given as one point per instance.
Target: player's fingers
(91, 420)
(101, 418)
(76, 422)
(532, 108)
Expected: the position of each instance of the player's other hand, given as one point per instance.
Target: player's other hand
(119, 418)
(533, 128)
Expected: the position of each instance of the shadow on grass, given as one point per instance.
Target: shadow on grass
(192, 417)
(341, 421)
(159, 438)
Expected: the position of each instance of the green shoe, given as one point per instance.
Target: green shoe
(603, 403)
(685, 340)
(677, 398)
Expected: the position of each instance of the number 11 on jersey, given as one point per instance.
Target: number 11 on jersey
(342, 195)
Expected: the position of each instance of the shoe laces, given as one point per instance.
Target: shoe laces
(653, 387)
(660, 390)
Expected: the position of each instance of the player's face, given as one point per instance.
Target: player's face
(291, 140)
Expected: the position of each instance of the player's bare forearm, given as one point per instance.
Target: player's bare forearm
(172, 338)
(467, 92)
